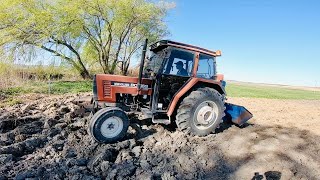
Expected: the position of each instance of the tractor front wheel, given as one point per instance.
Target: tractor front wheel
(109, 125)
(200, 112)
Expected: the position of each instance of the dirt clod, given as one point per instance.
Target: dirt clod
(5, 158)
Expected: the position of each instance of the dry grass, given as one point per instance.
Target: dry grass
(13, 75)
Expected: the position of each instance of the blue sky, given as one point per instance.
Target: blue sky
(274, 41)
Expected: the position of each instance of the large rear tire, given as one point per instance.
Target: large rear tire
(109, 125)
(201, 112)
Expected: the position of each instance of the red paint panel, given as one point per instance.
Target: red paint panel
(107, 92)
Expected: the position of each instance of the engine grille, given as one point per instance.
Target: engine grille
(107, 89)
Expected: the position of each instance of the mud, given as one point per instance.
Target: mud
(46, 137)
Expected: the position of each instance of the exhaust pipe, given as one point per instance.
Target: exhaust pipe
(143, 56)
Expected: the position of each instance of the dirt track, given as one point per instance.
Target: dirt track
(46, 138)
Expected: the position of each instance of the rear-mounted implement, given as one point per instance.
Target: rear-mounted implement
(237, 114)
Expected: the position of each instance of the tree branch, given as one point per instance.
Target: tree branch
(70, 60)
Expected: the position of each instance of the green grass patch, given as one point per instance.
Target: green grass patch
(59, 87)
(70, 87)
(12, 91)
(270, 92)
(13, 101)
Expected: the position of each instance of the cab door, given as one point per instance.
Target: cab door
(177, 70)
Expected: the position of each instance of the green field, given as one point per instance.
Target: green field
(269, 92)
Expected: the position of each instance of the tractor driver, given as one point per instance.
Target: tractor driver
(181, 70)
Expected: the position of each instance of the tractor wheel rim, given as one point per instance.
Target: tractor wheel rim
(111, 127)
(206, 114)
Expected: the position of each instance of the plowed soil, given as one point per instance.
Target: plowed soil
(46, 138)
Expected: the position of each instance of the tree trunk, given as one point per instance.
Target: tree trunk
(85, 74)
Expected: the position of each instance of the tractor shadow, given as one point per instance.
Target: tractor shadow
(144, 128)
(227, 123)
(245, 154)
(139, 129)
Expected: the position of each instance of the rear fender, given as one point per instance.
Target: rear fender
(193, 82)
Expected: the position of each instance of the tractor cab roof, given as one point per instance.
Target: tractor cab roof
(165, 43)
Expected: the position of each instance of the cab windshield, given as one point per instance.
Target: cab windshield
(154, 63)
(180, 63)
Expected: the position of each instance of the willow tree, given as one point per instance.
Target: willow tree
(87, 34)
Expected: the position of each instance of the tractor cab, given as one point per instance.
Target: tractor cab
(172, 64)
(172, 58)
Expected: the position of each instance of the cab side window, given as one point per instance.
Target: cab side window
(206, 67)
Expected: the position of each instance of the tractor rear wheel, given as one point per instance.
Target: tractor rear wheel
(109, 125)
(200, 112)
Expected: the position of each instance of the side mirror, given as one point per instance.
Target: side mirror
(218, 53)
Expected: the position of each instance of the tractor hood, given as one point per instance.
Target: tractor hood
(106, 86)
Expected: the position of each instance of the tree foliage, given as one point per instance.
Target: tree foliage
(90, 35)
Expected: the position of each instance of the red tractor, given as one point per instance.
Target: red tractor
(179, 82)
